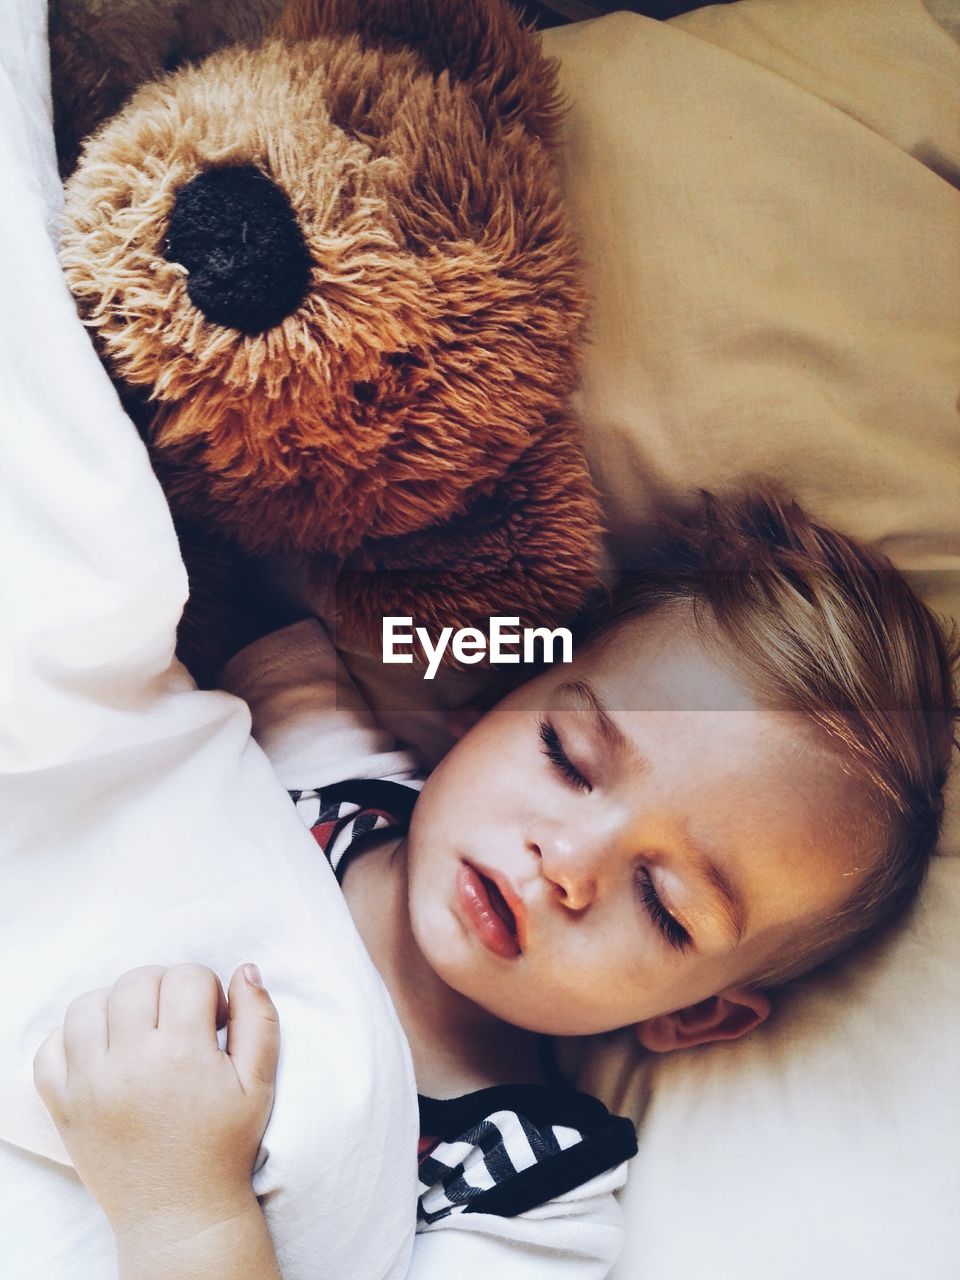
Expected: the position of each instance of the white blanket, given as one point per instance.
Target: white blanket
(140, 824)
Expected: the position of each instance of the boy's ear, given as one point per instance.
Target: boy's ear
(726, 1016)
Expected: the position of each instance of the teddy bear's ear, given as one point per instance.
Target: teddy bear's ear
(482, 43)
(529, 548)
(100, 53)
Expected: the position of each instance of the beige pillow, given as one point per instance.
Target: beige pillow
(765, 194)
(767, 197)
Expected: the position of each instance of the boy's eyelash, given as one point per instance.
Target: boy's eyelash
(555, 753)
(672, 929)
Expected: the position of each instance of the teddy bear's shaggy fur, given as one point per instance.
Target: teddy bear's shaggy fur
(102, 50)
(336, 267)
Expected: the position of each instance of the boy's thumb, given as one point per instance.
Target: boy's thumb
(253, 1029)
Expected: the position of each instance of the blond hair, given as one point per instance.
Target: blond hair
(827, 628)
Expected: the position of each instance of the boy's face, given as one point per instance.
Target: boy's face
(627, 836)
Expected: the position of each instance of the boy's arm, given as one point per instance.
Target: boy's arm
(308, 716)
(183, 1249)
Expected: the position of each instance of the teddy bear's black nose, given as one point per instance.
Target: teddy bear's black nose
(236, 234)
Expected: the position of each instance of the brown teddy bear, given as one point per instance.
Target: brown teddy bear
(332, 276)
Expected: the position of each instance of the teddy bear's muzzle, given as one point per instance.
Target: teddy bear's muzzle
(234, 231)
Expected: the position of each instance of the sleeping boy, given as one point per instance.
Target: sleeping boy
(739, 777)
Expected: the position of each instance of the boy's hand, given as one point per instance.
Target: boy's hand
(162, 1125)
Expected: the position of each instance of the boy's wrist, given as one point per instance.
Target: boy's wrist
(197, 1244)
(176, 1225)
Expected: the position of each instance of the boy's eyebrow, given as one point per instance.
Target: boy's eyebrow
(607, 727)
(730, 900)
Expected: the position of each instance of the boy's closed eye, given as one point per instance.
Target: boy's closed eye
(671, 929)
(669, 926)
(553, 750)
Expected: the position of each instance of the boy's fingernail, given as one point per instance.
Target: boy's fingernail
(252, 975)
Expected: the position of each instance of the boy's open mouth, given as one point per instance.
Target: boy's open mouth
(499, 904)
(488, 911)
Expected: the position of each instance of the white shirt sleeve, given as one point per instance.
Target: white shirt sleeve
(576, 1236)
(308, 716)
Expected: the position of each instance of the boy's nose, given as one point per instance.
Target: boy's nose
(570, 861)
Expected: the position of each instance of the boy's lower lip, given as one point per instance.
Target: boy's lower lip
(484, 922)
